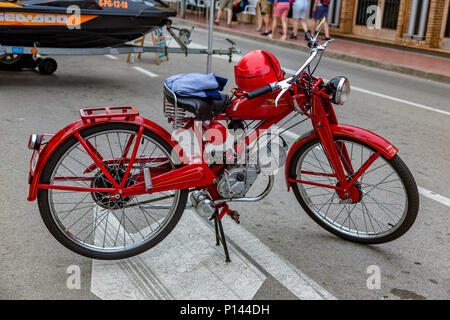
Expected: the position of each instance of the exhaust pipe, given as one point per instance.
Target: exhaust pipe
(204, 206)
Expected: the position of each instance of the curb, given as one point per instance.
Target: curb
(331, 54)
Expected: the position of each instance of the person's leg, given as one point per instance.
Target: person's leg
(262, 24)
(313, 27)
(295, 27)
(274, 27)
(261, 18)
(219, 15)
(267, 17)
(267, 24)
(284, 22)
(229, 16)
(304, 25)
(327, 29)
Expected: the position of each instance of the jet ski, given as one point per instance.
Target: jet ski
(79, 23)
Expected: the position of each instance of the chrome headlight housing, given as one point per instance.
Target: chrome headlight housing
(339, 89)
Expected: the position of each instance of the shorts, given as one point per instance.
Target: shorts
(226, 4)
(260, 8)
(300, 9)
(321, 12)
(281, 9)
(266, 7)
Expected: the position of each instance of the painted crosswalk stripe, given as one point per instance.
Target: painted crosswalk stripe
(188, 265)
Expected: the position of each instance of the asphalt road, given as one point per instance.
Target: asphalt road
(34, 265)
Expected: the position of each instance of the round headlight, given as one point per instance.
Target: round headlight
(338, 89)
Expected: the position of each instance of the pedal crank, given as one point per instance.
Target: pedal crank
(235, 216)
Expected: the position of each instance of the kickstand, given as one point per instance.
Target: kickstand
(220, 235)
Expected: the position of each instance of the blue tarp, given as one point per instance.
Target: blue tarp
(197, 85)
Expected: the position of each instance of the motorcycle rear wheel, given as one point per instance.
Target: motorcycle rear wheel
(90, 223)
(389, 200)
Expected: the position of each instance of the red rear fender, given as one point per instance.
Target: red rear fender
(79, 125)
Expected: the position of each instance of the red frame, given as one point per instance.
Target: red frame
(198, 174)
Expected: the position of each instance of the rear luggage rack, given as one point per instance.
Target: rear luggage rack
(170, 108)
(89, 115)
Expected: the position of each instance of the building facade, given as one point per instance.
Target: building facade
(423, 24)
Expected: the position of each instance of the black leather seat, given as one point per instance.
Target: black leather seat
(203, 109)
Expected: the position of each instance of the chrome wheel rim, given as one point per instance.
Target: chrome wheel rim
(116, 228)
(383, 205)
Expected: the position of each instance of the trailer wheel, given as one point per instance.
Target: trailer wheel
(47, 66)
(11, 62)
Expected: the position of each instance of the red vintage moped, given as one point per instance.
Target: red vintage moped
(114, 184)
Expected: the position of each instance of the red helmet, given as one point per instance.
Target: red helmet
(257, 69)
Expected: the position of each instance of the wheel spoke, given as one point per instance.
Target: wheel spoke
(368, 217)
(97, 221)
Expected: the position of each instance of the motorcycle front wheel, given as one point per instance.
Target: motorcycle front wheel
(93, 224)
(388, 203)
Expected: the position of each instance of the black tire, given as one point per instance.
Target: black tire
(22, 61)
(47, 66)
(51, 224)
(403, 172)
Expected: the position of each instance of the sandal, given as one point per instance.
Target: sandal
(216, 23)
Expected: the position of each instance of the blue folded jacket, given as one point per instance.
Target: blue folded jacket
(197, 85)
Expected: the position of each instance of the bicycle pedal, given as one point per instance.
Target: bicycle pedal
(235, 216)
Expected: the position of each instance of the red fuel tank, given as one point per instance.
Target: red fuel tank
(260, 108)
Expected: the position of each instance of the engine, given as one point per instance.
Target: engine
(236, 181)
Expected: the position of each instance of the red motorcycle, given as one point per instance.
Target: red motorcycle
(114, 184)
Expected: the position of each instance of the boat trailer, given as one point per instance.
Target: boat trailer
(32, 56)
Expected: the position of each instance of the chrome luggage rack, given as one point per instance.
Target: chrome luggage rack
(174, 114)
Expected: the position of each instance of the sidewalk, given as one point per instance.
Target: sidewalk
(404, 61)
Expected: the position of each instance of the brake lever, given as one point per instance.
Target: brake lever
(284, 85)
(324, 46)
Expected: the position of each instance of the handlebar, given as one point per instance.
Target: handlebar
(259, 92)
(284, 85)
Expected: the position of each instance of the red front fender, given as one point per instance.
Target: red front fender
(378, 143)
(71, 129)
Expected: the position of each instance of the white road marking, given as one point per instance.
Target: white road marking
(435, 196)
(111, 57)
(288, 275)
(146, 72)
(188, 265)
(413, 104)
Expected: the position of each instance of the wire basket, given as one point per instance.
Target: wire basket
(171, 110)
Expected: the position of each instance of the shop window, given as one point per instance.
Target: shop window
(418, 19)
(390, 14)
(361, 14)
